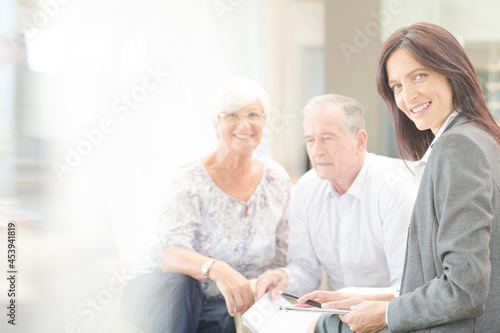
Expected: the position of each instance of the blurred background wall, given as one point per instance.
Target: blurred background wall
(101, 101)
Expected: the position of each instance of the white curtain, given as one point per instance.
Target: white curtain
(118, 94)
(9, 52)
(127, 101)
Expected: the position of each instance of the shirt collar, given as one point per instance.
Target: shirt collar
(356, 188)
(450, 118)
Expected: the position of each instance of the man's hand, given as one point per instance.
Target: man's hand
(366, 317)
(234, 287)
(276, 280)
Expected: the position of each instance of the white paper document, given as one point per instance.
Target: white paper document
(265, 316)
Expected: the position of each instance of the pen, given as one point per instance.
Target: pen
(295, 297)
(293, 308)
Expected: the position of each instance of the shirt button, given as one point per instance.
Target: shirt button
(346, 271)
(345, 214)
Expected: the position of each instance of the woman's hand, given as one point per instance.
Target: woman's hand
(367, 311)
(234, 287)
(366, 317)
(332, 299)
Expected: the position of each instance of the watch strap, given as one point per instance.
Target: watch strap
(205, 268)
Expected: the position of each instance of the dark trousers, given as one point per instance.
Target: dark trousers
(171, 302)
(330, 324)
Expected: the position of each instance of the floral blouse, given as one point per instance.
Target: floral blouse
(251, 236)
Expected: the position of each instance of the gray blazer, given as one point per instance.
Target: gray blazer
(451, 276)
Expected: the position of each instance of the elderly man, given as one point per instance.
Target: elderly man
(349, 214)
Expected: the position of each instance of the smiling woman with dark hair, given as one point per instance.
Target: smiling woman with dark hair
(451, 277)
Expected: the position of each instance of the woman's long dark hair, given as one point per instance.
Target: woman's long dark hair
(435, 48)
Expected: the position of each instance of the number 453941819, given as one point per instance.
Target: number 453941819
(11, 245)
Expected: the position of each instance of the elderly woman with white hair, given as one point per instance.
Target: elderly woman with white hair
(225, 221)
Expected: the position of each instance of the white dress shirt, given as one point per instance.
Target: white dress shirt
(358, 237)
(420, 165)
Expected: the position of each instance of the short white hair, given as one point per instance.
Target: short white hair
(237, 93)
(352, 116)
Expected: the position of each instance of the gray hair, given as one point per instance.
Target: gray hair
(237, 93)
(351, 112)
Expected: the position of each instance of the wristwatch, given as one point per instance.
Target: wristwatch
(205, 268)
